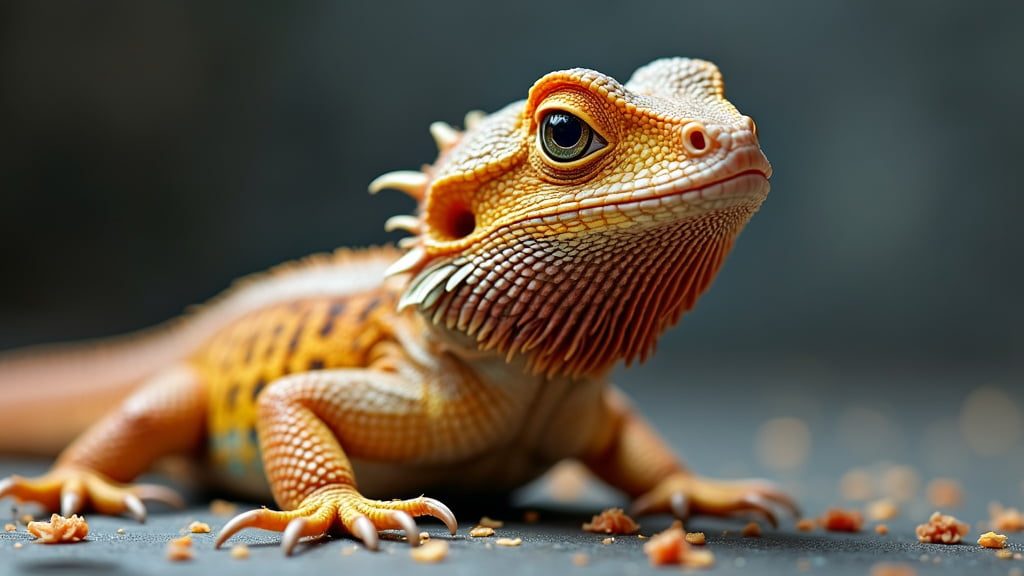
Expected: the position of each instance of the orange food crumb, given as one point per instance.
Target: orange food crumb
(752, 530)
(671, 547)
(696, 538)
(222, 508)
(881, 529)
(945, 493)
(430, 551)
(612, 521)
(580, 559)
(239, 551)
(942, 529)
(10, 527)
(120, 531)
(1005, 519)
(18, 544)
(490, 523)
(481, 531)
(992, 540)
(199, 528)
(889, 569)
(805, 524)
(1004, 554)
(840, 520)
(508, 541)
(59, 530)
(178, 550)
(424, 536)
(884, 509)
(608, 540)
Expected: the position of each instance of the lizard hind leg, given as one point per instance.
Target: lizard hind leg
(303, 420)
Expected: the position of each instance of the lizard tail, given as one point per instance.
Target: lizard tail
(50, 394)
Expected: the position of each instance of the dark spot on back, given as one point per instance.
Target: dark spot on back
(294, 343)
(316, 364)
(260, 385)
(337, 309)
(370, 307)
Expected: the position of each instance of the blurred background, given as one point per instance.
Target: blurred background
(152, 152)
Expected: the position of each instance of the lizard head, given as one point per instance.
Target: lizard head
(576, 226)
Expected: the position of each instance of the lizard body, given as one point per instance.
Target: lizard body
(554, 238)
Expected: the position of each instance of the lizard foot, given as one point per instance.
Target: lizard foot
(685, 495)
(341, 506)
(72, 489)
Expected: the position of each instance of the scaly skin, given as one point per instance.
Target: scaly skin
(554, 238)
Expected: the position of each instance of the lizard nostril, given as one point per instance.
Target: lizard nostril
(695, 139)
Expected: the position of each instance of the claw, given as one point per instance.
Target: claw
(158, 493)
(408, 525)
(442, 513)
(135, 507)
(6, 486)
(243, 520)
(70, 501)
(292, 533)
(762, 506)
(363, 528)
(680, 505)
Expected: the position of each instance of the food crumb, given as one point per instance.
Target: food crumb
(883, 509)
(531, 516)
(481, 531)
(120, 531)
(18, 544)
(840, 520)
(580, 559)
(347, 551)
(1004, 554)
(890, 569)
(882, 529)
(185, 540)
(671, 547)
(424, 536)
(992, 540)
(608, 540)
(695, 538)
(508, 541)
(430, 551)
(805, 524)
(180, 549)
(220, 507)
(199, 528)
(60, 530)
(10, 527)
(612, 521)
(945, 493)
(752, 530)
(490, 523)
(239, 551)
(1005, 519)
(942, 529)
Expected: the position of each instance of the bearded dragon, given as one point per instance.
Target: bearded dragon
(554, 238)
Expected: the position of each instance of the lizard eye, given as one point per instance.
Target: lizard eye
(566, 138)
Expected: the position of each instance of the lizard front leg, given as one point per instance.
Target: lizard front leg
(166, 415)
(310, 423)
(632, 457)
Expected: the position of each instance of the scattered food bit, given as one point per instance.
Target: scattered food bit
(180, 549)
(612, 521)
(349, 550)
(239, 551)
(805, 524)
(222, 508)
(508, 541)
(671, 547)
(580, 559)
(10, 527)
(882, 529)
(696, 538)
(120, 531)
(752, 530)
(1004, 554)
(59, 530)
(841, 520)
(430, 551)
(18, 544)
(608, 540)
(856, 485)
(783, 443)
(942, 529)
(883, 509)
(567, 481)
(900, 482)
(481, 531)
(491, 523)
(531, 516)
(945, 493)
(992, 540)
(424, 536)
(1005, 519)
(889, 569)
(199, 528)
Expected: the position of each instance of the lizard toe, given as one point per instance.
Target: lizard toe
(684, 495)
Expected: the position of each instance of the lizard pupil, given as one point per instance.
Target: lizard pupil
(564, 137)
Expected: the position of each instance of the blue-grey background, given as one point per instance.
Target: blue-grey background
(152, 152)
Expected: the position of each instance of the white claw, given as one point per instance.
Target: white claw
(364, 529)
(292, 533)
(135, 507)
(412, 182)
(444, 135)
(403, 222)
(474, 118)
(680, 505)
(412, 534)
(70, 503)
